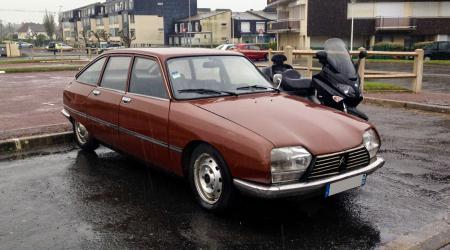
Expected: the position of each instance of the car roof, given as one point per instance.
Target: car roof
(167, 53)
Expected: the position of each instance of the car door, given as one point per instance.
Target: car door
(103, 102)
(144, 113)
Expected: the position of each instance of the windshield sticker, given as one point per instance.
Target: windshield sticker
(176, 75)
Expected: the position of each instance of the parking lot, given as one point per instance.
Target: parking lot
(76, 200)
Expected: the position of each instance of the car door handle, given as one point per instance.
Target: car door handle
(96, 92)
(126, 99)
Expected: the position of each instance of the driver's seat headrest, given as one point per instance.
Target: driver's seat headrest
(279, 59)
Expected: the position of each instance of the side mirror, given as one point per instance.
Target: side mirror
(362, 54)
(277, 79)
(322, 56)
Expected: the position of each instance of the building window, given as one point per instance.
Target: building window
(189, 27)
(114, 31)
(182, 27)
(261, 27)
(131, 18)
(245, 27)
(131, 4)
(197, 27)
(99, 21)
(176, 28)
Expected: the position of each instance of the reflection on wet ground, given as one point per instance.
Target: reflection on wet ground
(105, 200)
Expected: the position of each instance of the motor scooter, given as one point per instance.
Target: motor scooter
(337, 85)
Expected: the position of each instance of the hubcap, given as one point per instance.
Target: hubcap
(81, 133)
(207, 178)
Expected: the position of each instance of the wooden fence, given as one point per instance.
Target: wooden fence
(416, 75)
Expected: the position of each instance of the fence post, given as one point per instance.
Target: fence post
(309, 64)
(418, 71)
(270, 56)
(288, 50)
(362, 70)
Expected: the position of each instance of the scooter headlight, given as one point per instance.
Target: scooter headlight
(346, 89)
(371, 142)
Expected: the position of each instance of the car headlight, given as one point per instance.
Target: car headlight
(289, 164)
(371, 142)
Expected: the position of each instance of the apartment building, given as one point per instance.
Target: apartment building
(307, 24)
(145, 22)
(214, 27)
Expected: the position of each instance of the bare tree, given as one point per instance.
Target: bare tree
(126, 38)
(49, 24)
(84, 37)
(103, 35)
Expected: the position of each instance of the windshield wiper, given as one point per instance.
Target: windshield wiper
(258, 87)
(207, 91)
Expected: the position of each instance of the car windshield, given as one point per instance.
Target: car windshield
(338, 56)
(206, 76)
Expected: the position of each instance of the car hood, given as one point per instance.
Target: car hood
(290, 121)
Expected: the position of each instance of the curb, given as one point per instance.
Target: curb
(433, 236)
(407, 105)
(25, 144)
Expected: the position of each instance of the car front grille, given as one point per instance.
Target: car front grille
(338, 163)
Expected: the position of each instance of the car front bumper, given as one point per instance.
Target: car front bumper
(303, 188)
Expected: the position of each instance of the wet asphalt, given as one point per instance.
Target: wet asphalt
(79, 200)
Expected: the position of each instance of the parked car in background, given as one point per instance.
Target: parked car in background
(3, 50)
(197, 113)
(23, 45)
(252, 51)
(109, 46)
(55, 46)
(437, 51)
(226, 47)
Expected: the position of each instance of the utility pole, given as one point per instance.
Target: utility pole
(189, 24)
(1, 30)
(353, 21)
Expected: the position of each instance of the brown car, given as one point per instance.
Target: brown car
(212, 117)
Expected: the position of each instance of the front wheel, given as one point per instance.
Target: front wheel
(210, 179)
(84, 139)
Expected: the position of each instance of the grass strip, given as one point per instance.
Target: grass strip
(41, 69)
(383, 86)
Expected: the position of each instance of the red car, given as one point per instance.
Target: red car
(212, 117)
(252, 51)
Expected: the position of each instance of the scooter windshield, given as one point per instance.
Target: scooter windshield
(338, 57)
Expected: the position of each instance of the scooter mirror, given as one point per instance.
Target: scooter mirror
(322, 56)
(277, 79)
(362, 54)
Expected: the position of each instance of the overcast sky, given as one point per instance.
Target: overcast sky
(18, 11)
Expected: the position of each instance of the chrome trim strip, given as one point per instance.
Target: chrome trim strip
(127, 131)
(65, 113)
(143, 137)
(276, 191)
(342, 152)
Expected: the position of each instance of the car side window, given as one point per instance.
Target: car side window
(116, 73)
(146, 79)
(443, 46)
(92, 74)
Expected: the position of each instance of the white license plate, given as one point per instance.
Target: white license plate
(344, 185)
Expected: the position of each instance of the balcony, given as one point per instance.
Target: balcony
(271, 3)
(395, 24)
(284, 25)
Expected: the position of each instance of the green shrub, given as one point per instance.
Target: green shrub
(422, 45)
(385, 46)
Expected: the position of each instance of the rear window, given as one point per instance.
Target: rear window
(116, 73)
(92, 74)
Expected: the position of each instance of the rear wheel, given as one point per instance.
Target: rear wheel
(84, 139)
(210, 179)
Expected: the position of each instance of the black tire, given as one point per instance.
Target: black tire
(227, 192)
(84, 140)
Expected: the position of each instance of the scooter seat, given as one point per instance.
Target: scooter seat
(292, 81)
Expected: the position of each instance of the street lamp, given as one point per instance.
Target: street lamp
(353, 21)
